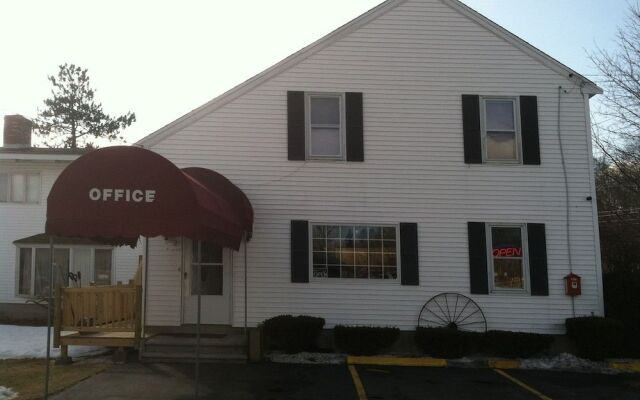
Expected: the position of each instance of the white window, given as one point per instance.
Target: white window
(500, 129)
(20, 188)
(507, 258)
(325, 128)
(354, 251)
(82, 265)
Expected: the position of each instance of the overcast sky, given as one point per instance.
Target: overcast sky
(161, 58)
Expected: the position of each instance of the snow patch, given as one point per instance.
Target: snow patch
(7, 393)
(568, 362)
(307, 358)
(31, 342)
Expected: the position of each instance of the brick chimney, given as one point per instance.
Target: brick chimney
(17, 131)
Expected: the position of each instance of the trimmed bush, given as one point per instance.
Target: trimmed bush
(515, 344)
(292, 334)
(364, 340)
(446, 342)
(596, 338)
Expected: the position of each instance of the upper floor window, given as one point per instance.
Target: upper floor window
(325, 126)
(20, 188)
(500, 131)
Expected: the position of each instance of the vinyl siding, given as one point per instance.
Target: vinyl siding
(22, 220)
(412, 64)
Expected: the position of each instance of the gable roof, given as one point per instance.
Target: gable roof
(588, 86)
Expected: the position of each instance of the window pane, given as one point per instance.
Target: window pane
(319, 271)
(348, 271)
(210, 280)
(24, 281)
(209, 253)
(18, 188)
(319, 231)
(499, 115)
(506, 241)
(33, 188)
(362, 272)
(103, 267)
(390, 273)
(507, 273)
(60, 270)
(325, 110)
(501, 146)
(325, 142)
(82, 266)
(4, 187)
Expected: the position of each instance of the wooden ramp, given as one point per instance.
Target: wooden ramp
(107, 316)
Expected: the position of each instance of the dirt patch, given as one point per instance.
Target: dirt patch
(26, 376)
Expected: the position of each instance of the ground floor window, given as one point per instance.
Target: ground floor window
(354, 251)
(507, 259)
(75, 266)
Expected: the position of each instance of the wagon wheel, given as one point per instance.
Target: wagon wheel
(452, 310)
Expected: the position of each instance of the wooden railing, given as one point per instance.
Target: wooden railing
(98, 309)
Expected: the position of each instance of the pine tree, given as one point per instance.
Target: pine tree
(72, 117)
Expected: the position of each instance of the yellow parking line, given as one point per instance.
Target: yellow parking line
(357, 383)
(522, 385)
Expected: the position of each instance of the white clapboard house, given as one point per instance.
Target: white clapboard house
(419, 149)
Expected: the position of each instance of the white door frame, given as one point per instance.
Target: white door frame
(227, 286)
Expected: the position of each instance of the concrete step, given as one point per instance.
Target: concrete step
(190, 357)
(205, 340)
(182, 347)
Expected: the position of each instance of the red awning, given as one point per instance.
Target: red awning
(116, 194)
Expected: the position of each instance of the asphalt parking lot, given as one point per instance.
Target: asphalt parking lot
(267, 381)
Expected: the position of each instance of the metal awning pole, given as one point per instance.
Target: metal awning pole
(198, 278)
(49, 308)
(245, 285)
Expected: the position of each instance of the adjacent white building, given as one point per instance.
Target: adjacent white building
(26, 176)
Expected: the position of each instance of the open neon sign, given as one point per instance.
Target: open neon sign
(507, 252)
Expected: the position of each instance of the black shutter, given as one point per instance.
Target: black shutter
(300, 251)
(471, 129)
(354, 127)
(538, 259)
(295, 126)
(479, 281)
(529, 129)
(409, 254)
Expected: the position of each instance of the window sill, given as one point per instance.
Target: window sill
(347, 281)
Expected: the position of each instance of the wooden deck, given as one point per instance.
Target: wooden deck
(98, 316)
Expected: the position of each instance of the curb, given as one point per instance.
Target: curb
(630, 366)
(626, 366)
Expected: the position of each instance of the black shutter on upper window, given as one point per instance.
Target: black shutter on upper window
(300, 251)
(529, 129)
(296, 126)
(538, 259)
(471, 129)
(409, 274)
(479, 277)
(354, 127)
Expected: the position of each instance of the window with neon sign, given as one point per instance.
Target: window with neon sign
(507, 257)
